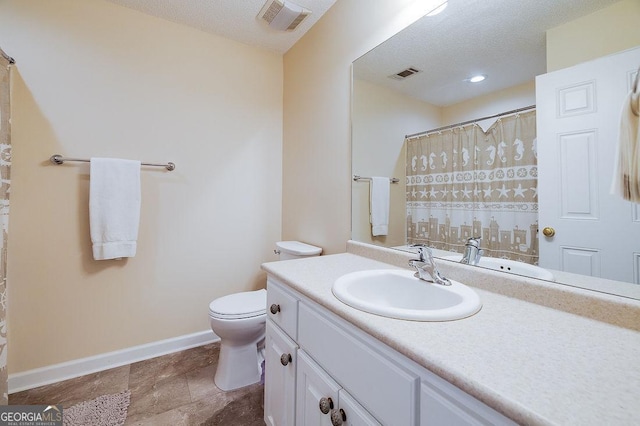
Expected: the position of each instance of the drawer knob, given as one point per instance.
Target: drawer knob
(338, 417)
(326, 405)
(285, 359)
(275, 309)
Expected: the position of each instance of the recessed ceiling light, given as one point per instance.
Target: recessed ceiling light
(477, 78)
(438, 9)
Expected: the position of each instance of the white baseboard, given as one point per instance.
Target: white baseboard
(79, 367)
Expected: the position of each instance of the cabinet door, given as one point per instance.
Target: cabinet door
(280, 379)
(313, 385)
(353, 414)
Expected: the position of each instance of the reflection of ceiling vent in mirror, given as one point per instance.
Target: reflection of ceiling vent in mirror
(283, 15)
(404, 73)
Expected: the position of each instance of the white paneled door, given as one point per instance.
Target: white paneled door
(578, 122)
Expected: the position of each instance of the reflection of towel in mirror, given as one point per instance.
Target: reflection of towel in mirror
(379, 205)
(626, 173)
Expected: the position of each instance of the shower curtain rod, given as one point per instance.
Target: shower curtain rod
(7, 57)
(439, 129)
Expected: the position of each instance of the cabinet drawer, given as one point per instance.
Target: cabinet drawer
(282, 308)
(387, 391)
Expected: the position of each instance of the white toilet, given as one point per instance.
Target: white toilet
(239, 320)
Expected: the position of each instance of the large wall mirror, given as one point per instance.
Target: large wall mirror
(550, 101)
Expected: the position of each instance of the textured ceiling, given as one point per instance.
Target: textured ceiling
(233, 19)
(504, 39)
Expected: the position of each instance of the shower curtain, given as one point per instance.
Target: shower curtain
(465, 182)
(5, 168)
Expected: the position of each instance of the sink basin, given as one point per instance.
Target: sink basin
(398, 294)
(507, 265)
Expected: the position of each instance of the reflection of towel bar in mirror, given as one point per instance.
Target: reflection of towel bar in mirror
(357, 178)
(59, 159)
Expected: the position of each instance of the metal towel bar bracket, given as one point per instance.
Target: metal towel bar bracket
(59, 159)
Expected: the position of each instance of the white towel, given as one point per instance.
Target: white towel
(626, 172)
(114, 207)
(379, 199)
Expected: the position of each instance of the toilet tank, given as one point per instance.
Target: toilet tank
(296, 250)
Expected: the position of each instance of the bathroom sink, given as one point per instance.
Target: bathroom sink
(398, 294)
(507, 265)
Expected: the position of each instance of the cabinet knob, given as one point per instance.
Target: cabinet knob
(338, 417)
(549, 231)
(274, 309)
(285, 359)
(326, 405)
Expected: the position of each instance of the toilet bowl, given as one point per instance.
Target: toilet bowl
(239, 320)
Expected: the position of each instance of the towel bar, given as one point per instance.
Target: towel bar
(59, 159)
(357, 178)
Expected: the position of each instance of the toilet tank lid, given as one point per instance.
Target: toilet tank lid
(240, 304)
(298, 248)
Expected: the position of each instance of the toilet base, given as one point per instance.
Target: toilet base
(238, 366)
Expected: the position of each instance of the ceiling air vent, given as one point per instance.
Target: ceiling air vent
(404, 73)
(283, 15)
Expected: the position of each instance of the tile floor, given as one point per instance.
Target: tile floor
(175, 389)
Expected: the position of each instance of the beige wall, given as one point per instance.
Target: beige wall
(381, 118)
(494, 103)
(606, 31)
(317, 133)
(96, 79)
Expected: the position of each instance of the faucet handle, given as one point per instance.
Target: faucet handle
(426, 250)
(421, 248)
(474, 241)
(426, 269)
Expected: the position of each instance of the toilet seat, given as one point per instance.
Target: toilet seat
(247, 304)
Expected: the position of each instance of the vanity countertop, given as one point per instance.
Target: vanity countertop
(533, 363)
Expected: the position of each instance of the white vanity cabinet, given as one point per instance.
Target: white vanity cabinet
(322, 401)
(281, 353)
(280, 377)
(441, 403)
(358, 416)
(371, 375)
(336, 370)
(316, 393)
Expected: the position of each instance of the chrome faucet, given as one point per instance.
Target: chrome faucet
(425, 266)
(472, 251)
